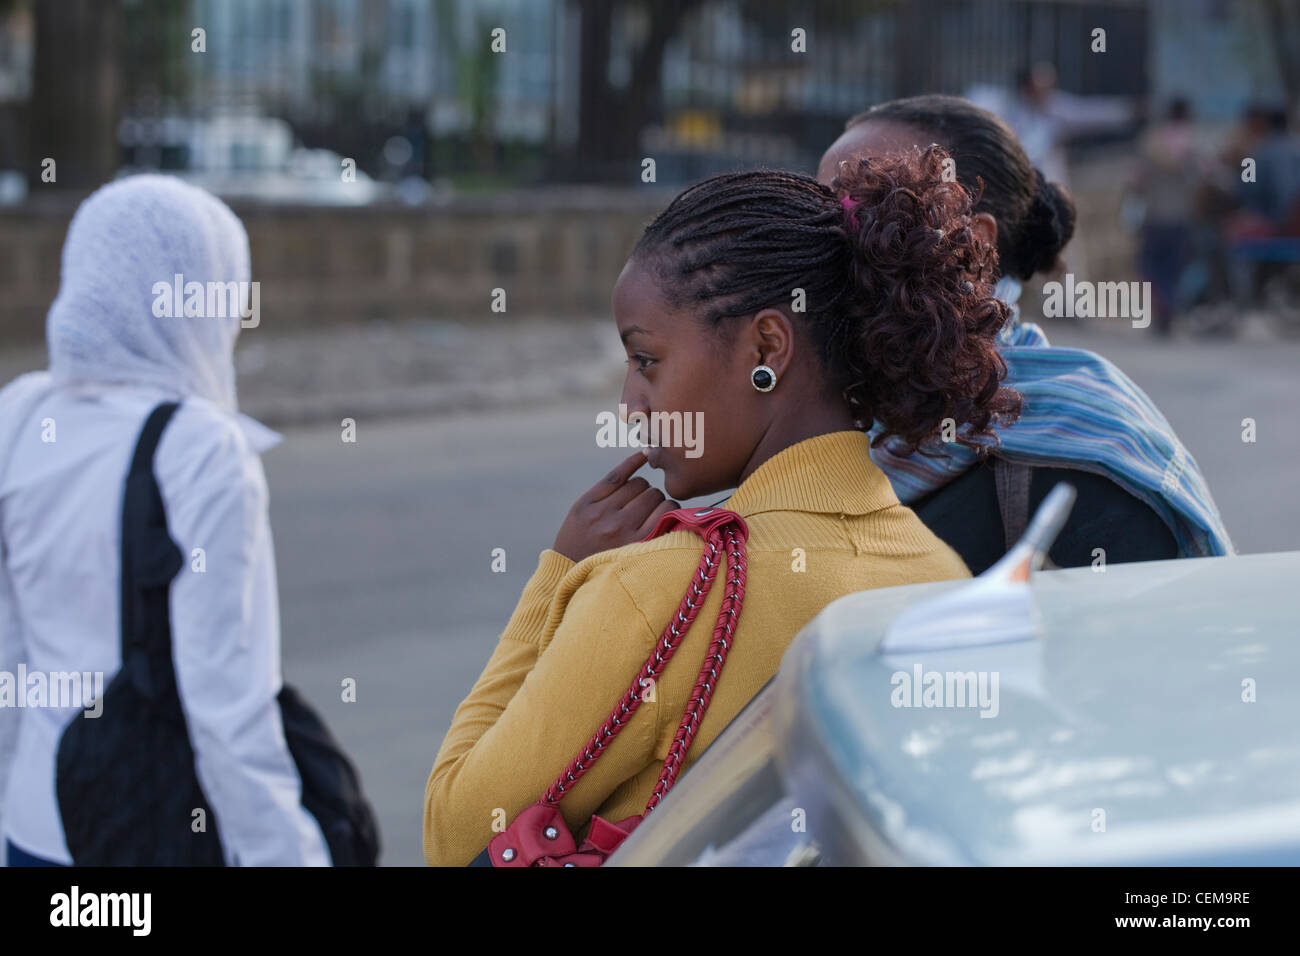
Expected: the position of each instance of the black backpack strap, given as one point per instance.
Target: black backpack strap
(1012, 481)
(150, 560)
(150, 435)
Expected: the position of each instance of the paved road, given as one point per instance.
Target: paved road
(385, 545)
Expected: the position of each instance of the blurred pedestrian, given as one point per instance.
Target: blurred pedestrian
(1274, 193)
(1169, 178)
(1141, 495)
(1045, 118)
(118, 356)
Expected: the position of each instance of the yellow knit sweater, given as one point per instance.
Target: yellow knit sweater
(823, 522)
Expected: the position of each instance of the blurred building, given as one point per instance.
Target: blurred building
(1221, 55)
(730, 88)
(304, 58)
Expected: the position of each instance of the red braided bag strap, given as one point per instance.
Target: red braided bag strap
(732, 599)
(723, 531)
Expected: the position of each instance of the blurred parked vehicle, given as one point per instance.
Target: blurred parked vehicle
(246, 157)
(1140, 714)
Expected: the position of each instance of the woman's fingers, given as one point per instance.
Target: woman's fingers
(617, 510)
(615, 480)
(630, 491)
(636, 507)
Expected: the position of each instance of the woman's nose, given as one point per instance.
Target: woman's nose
(630, 402)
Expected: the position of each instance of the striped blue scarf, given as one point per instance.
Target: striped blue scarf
(1079, 411)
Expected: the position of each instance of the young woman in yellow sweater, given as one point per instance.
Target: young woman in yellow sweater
(790, 315)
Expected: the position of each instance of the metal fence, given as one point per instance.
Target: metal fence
(732, 89)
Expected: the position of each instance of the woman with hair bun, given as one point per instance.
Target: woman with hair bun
(790, 315)
(1141, 495)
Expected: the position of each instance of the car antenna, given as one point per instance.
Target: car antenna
(996, 607)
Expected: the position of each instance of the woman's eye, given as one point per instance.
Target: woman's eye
(643, 361)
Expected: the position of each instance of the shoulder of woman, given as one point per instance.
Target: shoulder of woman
(678, 547)
(654, 573)
(26, 384)
(203, 446)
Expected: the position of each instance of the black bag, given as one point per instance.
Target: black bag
(125, 781)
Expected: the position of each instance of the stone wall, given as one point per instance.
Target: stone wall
(555, 251)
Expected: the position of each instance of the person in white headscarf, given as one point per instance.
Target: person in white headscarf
(117, 349)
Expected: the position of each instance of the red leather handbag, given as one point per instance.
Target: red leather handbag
(538, 836)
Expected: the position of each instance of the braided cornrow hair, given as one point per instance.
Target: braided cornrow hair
(897, 296)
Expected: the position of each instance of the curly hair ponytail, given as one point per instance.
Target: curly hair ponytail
(921, 320)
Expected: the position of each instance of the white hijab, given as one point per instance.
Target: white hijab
(125, 238)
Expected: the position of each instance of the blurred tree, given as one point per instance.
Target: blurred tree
(13, 111)
(76, 91)
(477, 77)
(610, 119)
(1283, 19)
(156, 53)
(374, 27)
(159, 72)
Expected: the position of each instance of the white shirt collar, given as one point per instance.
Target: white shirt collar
(260, 438)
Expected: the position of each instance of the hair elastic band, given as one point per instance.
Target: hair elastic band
(849, 204)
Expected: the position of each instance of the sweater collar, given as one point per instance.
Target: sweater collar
(827, 474)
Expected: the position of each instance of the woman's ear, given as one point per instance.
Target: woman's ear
(772, 334)
(985, 228)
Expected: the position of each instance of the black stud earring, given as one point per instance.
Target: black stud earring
(763, 377)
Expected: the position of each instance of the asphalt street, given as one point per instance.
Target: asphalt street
(385, 545)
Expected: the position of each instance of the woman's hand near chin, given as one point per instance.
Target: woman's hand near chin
(617, 510)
